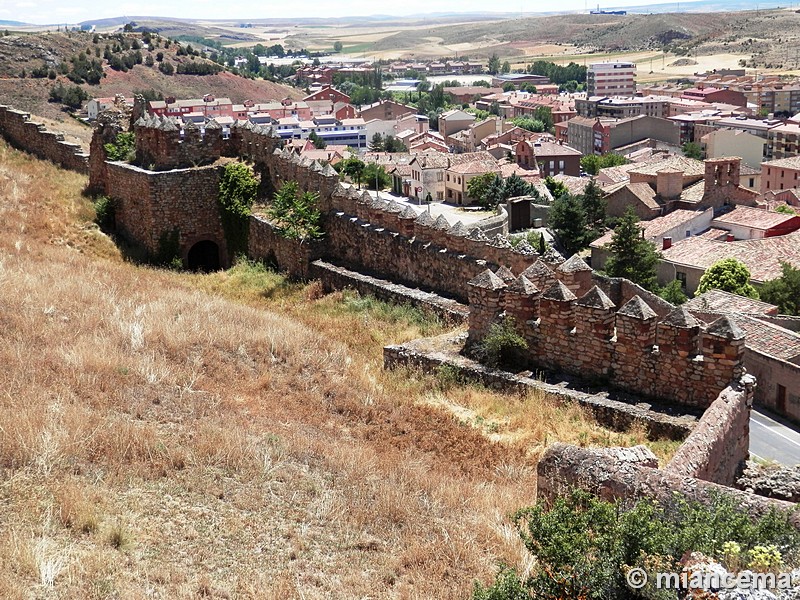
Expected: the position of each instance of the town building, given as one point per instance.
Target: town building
(600, 136)
(780, 174)
(548, 157)
(611, 79)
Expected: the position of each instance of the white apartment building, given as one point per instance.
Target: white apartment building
(611, 79)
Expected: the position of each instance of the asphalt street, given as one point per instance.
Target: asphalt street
(773, 439)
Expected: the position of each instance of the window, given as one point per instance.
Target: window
(448, 177)
(679, 276)
(440, 176)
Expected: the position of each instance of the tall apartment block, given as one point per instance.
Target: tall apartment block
(611, 79)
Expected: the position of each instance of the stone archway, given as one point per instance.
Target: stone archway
(204, 256)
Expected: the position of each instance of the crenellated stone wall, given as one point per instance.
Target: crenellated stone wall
(30, 136)
(572, 327)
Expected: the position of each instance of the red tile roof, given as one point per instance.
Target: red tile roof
(763, 256)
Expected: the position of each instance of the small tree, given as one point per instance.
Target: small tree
(632, 256)
(568, 220)
(784, 291)
(337, 46)
(353, 168)
(477, 186)
(594, 206)
(375, 177)
(318, 142)
(673, 293)
(729, 275)
(693, 150)
(494, 64)
(294, 214)
(555, 187)
(376, 144)
(123, 147)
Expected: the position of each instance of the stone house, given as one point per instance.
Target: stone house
(548, 157)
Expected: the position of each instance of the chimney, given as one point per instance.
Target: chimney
(666, 243)
(669, 183)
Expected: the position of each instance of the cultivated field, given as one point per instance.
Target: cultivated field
(170, 435)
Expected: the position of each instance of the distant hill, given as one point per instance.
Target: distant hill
(31, 52)
(12, 23)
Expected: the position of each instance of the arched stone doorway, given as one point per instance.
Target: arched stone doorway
(204, 256)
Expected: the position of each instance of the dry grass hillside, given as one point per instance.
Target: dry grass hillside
(170, 435)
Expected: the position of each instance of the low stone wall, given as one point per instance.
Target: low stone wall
(610, 413)
(30, 136)
(495, 225)
(718, 447)
(293, 257)
(334, 277)
(604, 474)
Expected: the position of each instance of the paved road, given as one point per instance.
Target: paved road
(771, 439)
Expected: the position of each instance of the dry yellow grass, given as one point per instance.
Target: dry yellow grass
(163, 435)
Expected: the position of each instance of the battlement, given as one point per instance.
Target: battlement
(18, 129)
(571, 327)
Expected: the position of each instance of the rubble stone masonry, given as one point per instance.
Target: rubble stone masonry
(30, 136)
(630, 347)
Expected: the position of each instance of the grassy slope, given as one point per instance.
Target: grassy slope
(180, 435)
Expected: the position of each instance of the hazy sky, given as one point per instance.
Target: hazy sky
(74, 11)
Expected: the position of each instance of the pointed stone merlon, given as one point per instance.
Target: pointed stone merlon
(595, 314)
(540, 275)
(522, 300)
(557, 306)
(486, 303)
(575, 274)
(723, 349)
(636, 324)
(505, 274)
(679, 334)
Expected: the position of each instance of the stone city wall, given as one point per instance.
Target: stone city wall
(573, 328)
(701, 471)
(152, 204)
(30, 136)
(719, 445)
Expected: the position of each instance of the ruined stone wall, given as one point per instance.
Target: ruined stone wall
(266, 244)
(150, 205)
(719, 444)
(30, 136)
(614, 476)
(629, 347)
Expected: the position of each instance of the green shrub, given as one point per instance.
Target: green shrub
(584, 546)
(105, 213)
(502, 346)
(122, 148)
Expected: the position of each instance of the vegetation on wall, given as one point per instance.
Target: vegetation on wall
(296, 215)
(237, 191)
(122, 148)
(502, 346)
